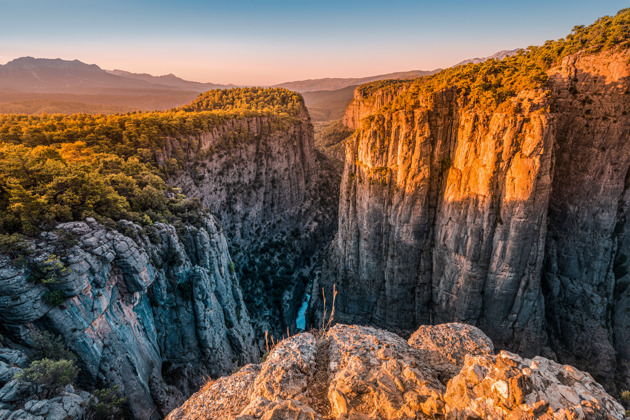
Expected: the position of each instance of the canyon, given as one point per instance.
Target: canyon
(154, 310)
(472, 250)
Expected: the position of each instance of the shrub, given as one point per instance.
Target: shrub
(106, 404)
(54, 298)
(15, 247)
(50, 347)
(49, 271)
(52, 376)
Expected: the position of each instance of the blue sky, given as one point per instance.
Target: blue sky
(267, 42)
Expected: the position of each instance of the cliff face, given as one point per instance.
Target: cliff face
(277, 199)
(512, 220)
(585, 274)
(442, 211)
(153, 312)
(446, 371)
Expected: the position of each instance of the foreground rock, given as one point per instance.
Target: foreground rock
(357, 372)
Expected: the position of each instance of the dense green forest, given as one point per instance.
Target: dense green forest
(492, 82)
(59, 168)
(270, 101)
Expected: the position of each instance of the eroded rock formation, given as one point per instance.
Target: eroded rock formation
(363, 372)
(276, 198)
(512, 219)
(154, 314)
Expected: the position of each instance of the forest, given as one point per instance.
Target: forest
(60, 168)
(491, 83)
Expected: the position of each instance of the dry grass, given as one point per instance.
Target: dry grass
(208, 384)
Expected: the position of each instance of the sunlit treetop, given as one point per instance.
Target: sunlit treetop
(490, 83)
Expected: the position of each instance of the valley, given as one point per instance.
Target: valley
(440, 244)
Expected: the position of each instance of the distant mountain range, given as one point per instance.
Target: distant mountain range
(169, 80)
(36, 85)
(498, 56)
(312, 85)
(42, 75)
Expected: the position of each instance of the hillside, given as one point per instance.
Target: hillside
(328, 105)
(170, 80)
(336, 83)
(36, 85)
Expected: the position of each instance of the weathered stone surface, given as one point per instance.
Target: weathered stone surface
(7, 372)
(153, 316)
(264, 409)
(224, 398)
(15, 391)
(66, 406)
(507, 386)
(446, 346)
(355, 372)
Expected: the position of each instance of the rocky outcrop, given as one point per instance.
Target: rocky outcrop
(363, 372)
(154, 311)
(276, 198)
(512, 219)
(508, 386)
(71, 405)
(446, 346)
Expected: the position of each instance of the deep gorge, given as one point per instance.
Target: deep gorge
(161, 249)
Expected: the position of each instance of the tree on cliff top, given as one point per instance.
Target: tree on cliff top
(493, 82)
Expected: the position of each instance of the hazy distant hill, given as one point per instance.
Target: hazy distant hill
(169, 80)
(36, 85)
(499, 56)
(327, 105)
(29, 74)
(340, 83)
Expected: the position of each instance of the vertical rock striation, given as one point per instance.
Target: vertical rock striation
(442, 214)
(585, 274)
(512, 219)
(275, 196)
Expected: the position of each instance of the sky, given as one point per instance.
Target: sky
(269, 42)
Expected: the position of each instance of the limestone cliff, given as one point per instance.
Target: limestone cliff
(511, 219)
(154, 311)
(276, 198)
(432, 203)
(585, 274)
(446, 371)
